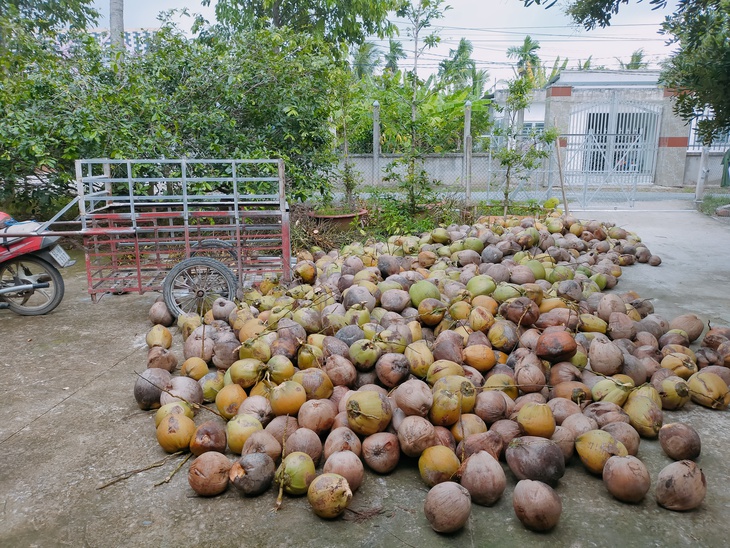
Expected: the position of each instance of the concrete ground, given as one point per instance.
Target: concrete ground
(69, 422)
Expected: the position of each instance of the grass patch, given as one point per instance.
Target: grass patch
(711, 202)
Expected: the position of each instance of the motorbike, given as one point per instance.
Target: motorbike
(30, 282)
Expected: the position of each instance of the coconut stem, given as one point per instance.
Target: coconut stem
(168, 478)
(130, 473)
(280, 496)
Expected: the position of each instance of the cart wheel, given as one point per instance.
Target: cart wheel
(30, 269)
(193, 284)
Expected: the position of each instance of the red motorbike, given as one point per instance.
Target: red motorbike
(30, 283)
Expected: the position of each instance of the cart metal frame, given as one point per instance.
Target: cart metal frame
(139, 218)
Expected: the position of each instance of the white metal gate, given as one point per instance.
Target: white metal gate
(611, 150)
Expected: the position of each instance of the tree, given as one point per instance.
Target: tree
(364, 60)
(393, 55)
(700, 68)
(338, 22)
(456, 71)
(419, 18)
(40, 17)
(528, 60)
(636, 62)
(543, 77)
(596, 13)
(521, 153)
(259, 94)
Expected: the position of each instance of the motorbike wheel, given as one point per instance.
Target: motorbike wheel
(194, 284)
(30, 269)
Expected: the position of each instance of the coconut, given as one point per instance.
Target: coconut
(437, 464)
(605, 357)
(564, 439)
(175, 432)
(185, 389)
(556, 345)
(562, 408)
(680, 441)
(392, 369)
(536, 419)
(681, 486)
(467, 425)
(413, 397)
(257, 406)
(317, 415)
(368, 412)
(179, 407)
(348, 465)
(531, 457)
(709, 390)
(490, 441)
(447, 507)
(160, 357)
(208, 474)
(262, 442)
(295, 473)
(483, 476)
(536, 505)
(595, 447)
(419, 357)
(239, 428)
(416, 434)
(626, 434)
(579, 424)
(381, 452)
(342, 439)
(673, 391)
(252, 474)
(626, 478)
(304, 440)
(605, 412)
(149, 387)
(644, 415)
(159, 335)
(229, 399)
(209, 436)
(329, 495)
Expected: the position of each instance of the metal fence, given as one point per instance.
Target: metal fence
(608, 160)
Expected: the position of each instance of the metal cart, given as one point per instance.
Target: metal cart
(194, 229)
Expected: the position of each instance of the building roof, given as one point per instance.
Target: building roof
(608, 78)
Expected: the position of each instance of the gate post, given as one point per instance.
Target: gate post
(376, 144)
(466, 163)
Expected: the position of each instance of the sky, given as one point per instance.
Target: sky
(492, 26)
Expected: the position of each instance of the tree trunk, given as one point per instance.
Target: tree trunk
(116, 25)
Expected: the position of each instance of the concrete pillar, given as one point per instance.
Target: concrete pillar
(376, 144)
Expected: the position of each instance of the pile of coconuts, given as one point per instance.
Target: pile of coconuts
(468, 348)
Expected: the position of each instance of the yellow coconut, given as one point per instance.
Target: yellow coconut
(595, 447)
(709, 390)
(536, 419)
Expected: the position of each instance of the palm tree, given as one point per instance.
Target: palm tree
(528, 61)
(395, 52)
(456, 71)
(479, 80)
(365, 58)
(636, 62)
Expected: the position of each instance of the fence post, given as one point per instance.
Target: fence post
(702, 175)
(466, 164)
(376, 144)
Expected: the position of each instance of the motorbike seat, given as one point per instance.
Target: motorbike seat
(24, 227)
